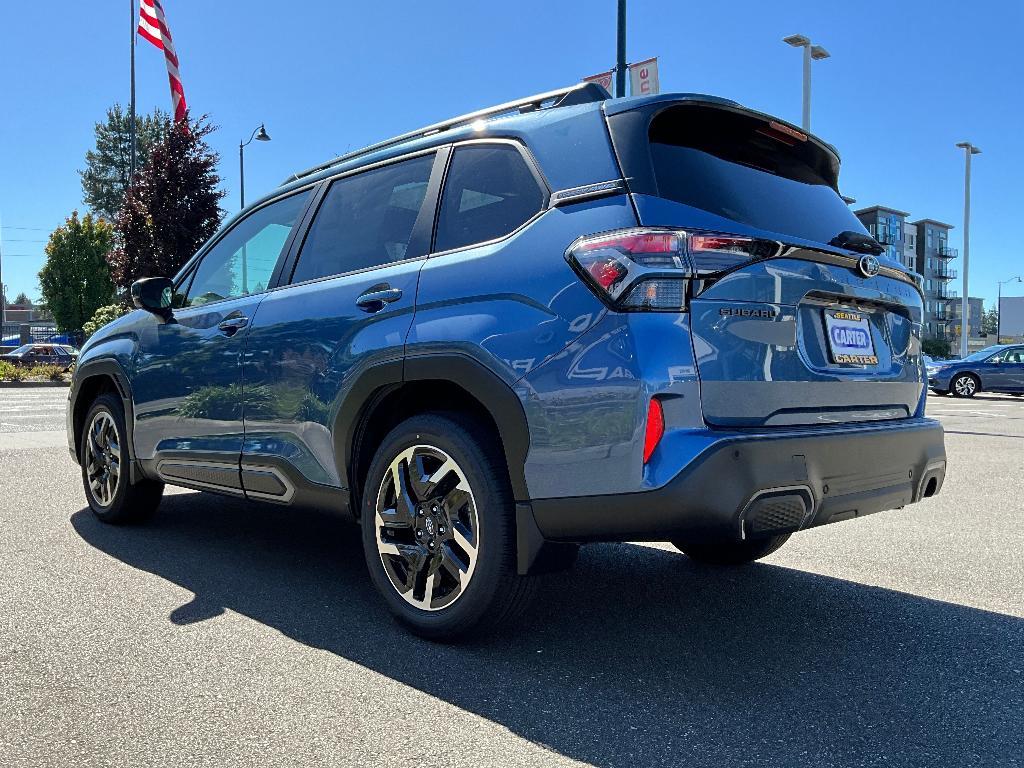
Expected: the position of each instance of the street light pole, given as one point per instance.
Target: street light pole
(999, 306)
(620, 52)
(811, 51)
(260, 134)
(969, 150)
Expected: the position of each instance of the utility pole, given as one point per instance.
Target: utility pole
(969, 150)
(131, 110)
(620, 54)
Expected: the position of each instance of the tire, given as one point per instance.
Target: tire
(731, 552)
(442, 553)
(964, 385)
(104, 456)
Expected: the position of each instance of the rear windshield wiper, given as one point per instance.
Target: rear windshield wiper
(857, 241)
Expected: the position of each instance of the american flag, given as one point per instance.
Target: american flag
(153, 27)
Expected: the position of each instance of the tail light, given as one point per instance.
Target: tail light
(646, 269)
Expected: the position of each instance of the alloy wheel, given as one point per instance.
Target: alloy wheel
(103, 458)
(964, 386)
(427, 527)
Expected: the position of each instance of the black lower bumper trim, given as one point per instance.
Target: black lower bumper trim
(751, 486)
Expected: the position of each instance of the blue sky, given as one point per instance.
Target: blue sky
(906, 81)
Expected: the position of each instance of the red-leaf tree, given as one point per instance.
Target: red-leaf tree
(171, 208)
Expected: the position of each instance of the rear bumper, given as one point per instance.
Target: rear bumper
(764, 484)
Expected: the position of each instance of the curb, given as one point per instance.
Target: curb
(31, 384)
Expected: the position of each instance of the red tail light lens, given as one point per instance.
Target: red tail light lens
(655, 428)
(635, 269)
(717, 253)
(646, 269)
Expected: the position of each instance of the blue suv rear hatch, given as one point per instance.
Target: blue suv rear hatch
(794, 318)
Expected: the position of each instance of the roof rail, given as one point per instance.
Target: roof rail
(581, 93)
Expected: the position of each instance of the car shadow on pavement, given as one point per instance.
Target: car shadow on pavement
(637, 656)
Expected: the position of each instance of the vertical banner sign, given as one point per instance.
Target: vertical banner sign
(604, 80)
(643, 78)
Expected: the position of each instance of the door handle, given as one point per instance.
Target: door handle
(375, 299)
(233, 325)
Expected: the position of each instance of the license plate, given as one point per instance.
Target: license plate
(849, 337)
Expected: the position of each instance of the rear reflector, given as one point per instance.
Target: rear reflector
(655, 428)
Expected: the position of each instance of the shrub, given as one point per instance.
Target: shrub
(105, 314)
(10, 372)
(48, 372)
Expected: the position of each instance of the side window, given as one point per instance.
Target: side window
(489, 192)
(1015, 355)
(365, 220)
(243, 261)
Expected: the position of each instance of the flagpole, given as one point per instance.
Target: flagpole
(131, 118)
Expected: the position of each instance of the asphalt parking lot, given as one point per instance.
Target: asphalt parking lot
(248, 635)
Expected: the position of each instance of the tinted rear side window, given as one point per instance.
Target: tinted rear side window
(365, 220)
(737, 166)
(489, 192)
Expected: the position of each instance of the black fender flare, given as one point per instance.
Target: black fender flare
(456, 368)
(112, 369)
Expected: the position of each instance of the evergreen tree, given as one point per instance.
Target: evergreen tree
(107, 167)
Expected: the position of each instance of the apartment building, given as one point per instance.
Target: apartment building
(923, 247)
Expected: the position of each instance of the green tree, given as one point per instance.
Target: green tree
(23, 300)
(990, 321)
(171, 208)
(107, 167)
(75, 280)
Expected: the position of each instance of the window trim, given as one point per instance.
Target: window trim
(188, 272)
(535, 171)
(426, 215)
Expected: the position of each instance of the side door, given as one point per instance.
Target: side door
(995, 372)
(1013, 369)
(345, 303)
(187, 381)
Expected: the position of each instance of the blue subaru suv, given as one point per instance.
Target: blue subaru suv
(561, 320)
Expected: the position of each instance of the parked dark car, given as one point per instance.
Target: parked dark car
(564, 319)
(42, 354)
(998, 368)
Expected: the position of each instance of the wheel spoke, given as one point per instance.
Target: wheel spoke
(405, 501)
(452, 563)
(462, 538)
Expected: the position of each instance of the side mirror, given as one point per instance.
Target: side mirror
(154, 294)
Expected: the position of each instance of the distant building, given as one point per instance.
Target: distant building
(923, 247)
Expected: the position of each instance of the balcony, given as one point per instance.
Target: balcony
(945, 252)
(943, 272)
(944, 292)
(943, 313)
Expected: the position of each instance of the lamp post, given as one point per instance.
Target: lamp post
(999, 306)
(969, 151)
(811, 51)
(260, 134)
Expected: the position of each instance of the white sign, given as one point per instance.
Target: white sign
(643, 78)
(1011, 316)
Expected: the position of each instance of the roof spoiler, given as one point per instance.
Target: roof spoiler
(581, 93)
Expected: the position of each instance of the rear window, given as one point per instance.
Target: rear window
(741, 167)
(488, 193)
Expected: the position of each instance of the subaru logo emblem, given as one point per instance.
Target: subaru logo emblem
(868, 266)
